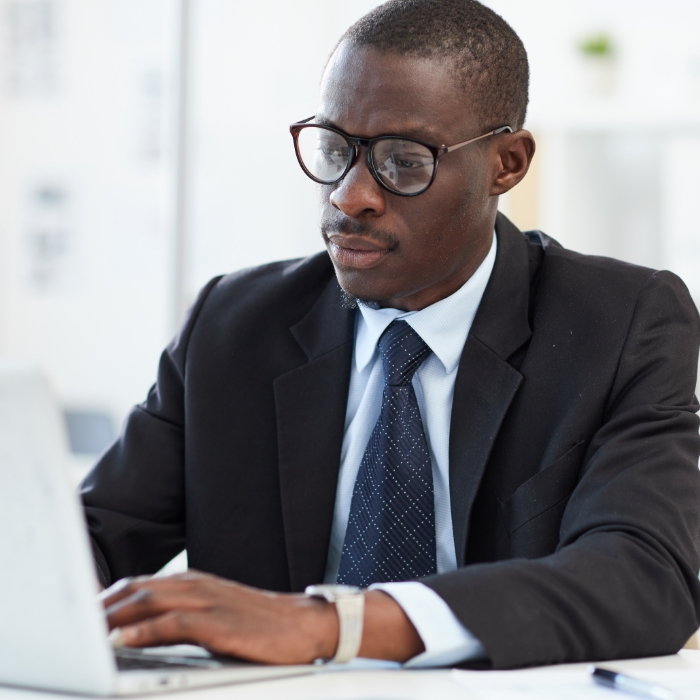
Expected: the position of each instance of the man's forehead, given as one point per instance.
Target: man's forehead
(364, 71)
(391, 93)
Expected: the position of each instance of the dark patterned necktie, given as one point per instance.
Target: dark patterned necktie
(391, 528)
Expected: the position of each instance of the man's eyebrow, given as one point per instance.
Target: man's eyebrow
(419, 133)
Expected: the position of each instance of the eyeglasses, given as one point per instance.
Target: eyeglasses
(403, 166)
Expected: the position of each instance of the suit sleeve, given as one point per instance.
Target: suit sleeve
(134, 496)
(623, 580)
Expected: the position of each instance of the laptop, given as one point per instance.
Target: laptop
(53, 633)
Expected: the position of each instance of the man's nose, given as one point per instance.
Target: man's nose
(358, 193)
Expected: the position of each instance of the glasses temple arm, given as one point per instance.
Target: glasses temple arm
(500, 130)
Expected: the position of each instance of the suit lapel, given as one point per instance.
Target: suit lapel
(486, 383)
(310, 403)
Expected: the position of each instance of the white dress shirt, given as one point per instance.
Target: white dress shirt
(444, 326)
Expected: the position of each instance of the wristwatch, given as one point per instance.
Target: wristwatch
(350, 606)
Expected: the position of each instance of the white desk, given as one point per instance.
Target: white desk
(414, 685)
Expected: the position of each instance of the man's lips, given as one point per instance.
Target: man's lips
(355, 251)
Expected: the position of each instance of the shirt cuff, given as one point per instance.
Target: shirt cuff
(445, 638)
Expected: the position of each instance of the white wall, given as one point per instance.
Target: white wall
(617, 175)
(91, 308)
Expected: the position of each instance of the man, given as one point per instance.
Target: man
(499, 432)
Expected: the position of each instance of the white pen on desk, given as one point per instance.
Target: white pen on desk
(618, 681)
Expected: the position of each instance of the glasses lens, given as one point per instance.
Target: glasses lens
(403, 166)
(324, 153)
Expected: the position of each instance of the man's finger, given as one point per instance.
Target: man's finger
(123, 588)
(153, 601)
(115, 591)
(171, 628)
(126, 587)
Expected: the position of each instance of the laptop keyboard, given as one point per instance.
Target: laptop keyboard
(135, 660)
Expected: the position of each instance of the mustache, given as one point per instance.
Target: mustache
(339, 223)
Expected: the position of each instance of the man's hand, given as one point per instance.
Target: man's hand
(235, 620)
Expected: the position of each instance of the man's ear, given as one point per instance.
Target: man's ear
(512, 157)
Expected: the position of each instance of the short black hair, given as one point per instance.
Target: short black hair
(489, 57)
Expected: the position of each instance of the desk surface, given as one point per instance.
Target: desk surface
(418, 685)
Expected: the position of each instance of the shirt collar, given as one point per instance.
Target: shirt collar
(444, 326)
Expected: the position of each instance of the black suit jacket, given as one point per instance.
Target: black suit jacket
(574, 481)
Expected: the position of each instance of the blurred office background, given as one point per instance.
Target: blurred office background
(137, 139)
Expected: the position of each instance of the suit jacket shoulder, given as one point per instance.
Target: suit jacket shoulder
(280, 289)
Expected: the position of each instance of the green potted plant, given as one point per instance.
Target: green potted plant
(598, 56)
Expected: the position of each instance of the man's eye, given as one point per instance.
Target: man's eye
(332, 152)
(408, 163)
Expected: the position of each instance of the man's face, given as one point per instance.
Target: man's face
(405, 252)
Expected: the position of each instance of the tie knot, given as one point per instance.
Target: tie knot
(402, 351)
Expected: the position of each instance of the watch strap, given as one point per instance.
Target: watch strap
(350, 609)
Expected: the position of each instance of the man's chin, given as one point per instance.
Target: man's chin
(356, 293)
(372, 290)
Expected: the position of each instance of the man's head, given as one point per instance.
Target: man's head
(441, 72)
